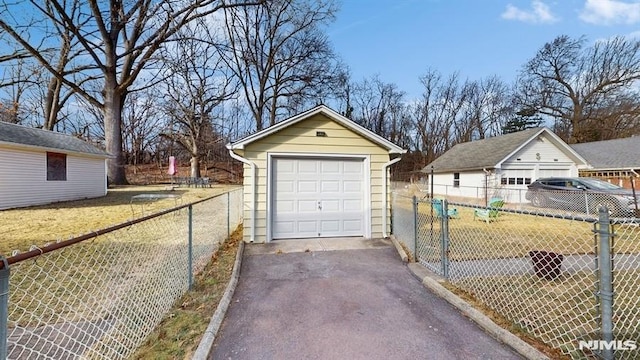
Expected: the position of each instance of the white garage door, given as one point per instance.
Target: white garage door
(317, 198)
(553, 172)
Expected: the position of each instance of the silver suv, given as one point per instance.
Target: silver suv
(582, 194)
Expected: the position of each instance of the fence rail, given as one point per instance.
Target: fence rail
(98, 296)
(570, 279)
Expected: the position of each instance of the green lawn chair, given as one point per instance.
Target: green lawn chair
(491, 213)
(452, 213)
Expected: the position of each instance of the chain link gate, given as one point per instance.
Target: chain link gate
(430, 236)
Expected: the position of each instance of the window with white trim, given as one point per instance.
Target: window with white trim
(456, 179)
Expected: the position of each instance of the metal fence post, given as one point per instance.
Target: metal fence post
(415, 228)
(190, 255)
(444, 248)
(606, 281)
(4, 304)
(228, 215)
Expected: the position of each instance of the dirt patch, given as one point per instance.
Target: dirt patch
(39, 225)
(179, 334)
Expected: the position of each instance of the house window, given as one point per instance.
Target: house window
(503, 181)
(56, 167)
(456, 179)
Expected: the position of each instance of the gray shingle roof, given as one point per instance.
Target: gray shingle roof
(478, 154)
(611, 154)
(22, 135)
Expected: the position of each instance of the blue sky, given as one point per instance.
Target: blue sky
(401, 39)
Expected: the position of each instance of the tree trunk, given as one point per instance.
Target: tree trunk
(113, 134)
(51, 104)
(195, 167)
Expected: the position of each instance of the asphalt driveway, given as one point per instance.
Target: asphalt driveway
(347, 304)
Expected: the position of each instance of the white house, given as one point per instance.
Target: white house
(316, 174)
(503, 165)
(40, 167)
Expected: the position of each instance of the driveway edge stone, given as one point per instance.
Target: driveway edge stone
(432, 282)
(399, 249)
(206, 343)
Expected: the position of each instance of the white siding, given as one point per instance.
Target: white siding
(471, 184)
(541, 155)
(23, 179)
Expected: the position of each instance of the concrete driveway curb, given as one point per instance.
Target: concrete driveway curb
(431, 282)
(206, 343)
(399, 249)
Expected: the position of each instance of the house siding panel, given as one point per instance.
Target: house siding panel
(23, 179)
(301, 138)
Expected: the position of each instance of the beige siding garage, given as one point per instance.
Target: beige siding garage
(344, 166)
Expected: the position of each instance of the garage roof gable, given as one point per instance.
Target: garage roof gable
(491, 152)
(331, 114)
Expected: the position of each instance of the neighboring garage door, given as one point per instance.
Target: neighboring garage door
(553, 172)
(316, 197)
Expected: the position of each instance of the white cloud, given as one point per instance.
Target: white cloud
(538, 14)
(609, 12)
(634, 35)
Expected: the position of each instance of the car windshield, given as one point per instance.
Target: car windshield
(599, 184)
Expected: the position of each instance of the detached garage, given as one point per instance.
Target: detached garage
(41, 167)
(317, 174)
(503, 165)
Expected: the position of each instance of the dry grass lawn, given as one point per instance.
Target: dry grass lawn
(39, 225)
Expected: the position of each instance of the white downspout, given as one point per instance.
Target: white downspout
(253, 191)
(385, 166)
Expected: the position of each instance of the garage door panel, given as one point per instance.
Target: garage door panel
(285, 206)
(308, 206)
(307, 186)
(352, 186)
(330, 206)
(334, 184)
(307, 167)
(332, 167)
(286, 166)
(353, 225)
(332, 226)
(352, 206)
(309, 226)
(285, 186)
(284, 227)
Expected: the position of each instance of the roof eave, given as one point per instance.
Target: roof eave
(51, 149)
(322, 109)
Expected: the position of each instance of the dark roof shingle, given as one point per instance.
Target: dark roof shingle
(18, 134)
(478, 154)
(611, 154)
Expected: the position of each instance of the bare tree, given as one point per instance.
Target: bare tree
(379, 107)
(280, 54)
(586, 90)
(120, 39)
(199, 82)
(435, 114)
(142, 126)
(488, 106)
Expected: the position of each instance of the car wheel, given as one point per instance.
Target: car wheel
(538, 200)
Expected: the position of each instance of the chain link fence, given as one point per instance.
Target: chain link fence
(102, 295)
(540, 268)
